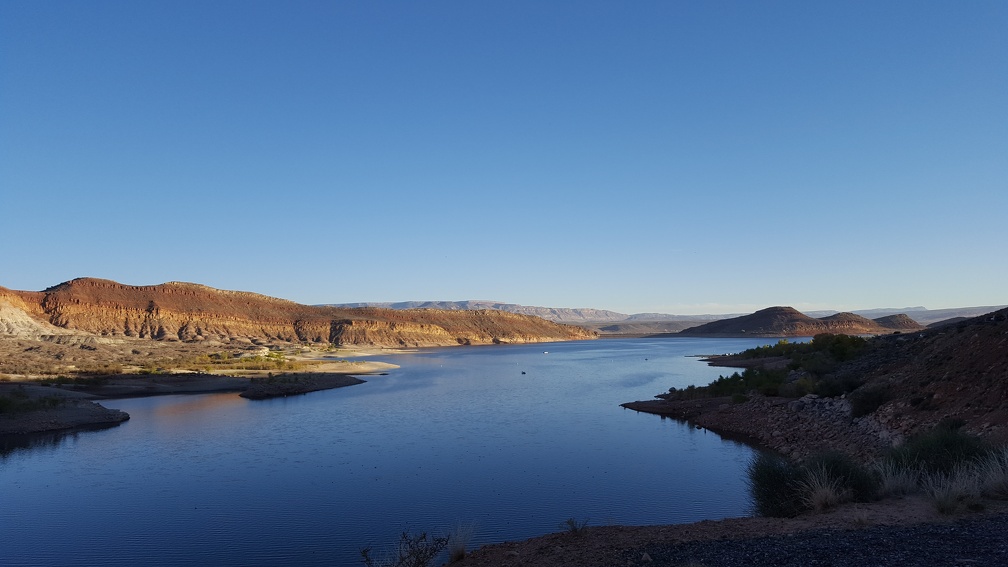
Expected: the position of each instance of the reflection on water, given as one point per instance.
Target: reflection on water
(44, 441)
(506, 438)
(187, 404)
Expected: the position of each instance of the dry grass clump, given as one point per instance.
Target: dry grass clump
(820, 490)
(993, 474)
(956, 490)
(781, 488)
(896, 479)
(953, 469)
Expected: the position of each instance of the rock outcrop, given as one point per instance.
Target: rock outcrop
(187, 312)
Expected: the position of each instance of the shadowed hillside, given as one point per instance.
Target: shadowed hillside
(789, 322)
(958, 371)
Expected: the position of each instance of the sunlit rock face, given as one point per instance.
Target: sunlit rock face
(187, 312)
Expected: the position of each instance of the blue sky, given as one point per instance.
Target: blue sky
(678, 157)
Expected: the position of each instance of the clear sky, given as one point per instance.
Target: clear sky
(677, 157)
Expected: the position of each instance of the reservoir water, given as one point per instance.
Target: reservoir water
(511, 440)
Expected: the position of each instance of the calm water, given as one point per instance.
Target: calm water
(455, 436)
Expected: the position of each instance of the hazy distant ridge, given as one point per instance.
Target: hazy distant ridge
(614, 322)
(559, 314)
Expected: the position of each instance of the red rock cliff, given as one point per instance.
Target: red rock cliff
(192, 312)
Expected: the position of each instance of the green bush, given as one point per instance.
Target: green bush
(19, 402)
(766, 382)
(939, 450)
(867, 399)
(775, 486)
(819, 358)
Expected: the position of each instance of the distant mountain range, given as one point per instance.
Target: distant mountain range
(612, 322)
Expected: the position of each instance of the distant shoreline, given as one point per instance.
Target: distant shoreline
(70, 405)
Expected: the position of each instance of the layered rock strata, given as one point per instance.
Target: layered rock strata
(188, 312)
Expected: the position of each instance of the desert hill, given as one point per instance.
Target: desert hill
(957, 371)
(190, 313)
(921, 315)
(789, 322)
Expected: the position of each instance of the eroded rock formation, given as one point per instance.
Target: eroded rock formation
(187, 312)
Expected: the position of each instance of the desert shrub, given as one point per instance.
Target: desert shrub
(861, 484)
(896, 479)
(775, 485)
(819, 490)
(108, 368)
(766, 382)
(867, 399)
(19, 402)
(940, 450)
(575, 526)
(411, 551)
(954, 490)
(992, 471)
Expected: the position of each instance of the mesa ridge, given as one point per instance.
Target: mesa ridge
(189, 313)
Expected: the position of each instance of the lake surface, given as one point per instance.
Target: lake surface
(455, 436)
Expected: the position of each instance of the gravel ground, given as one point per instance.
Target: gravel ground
(974, 541)
(903, 531)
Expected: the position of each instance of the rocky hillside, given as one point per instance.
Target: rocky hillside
(189, 312)
(957, 371)
(903, 384)
(789, 322)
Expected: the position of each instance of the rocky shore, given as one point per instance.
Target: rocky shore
(792, 427)
(65, 414)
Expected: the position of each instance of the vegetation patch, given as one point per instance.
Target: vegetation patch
(19, 402)
(775, 484)
(808, 368)
(574, 525)
(939, 450)
(951, 468)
